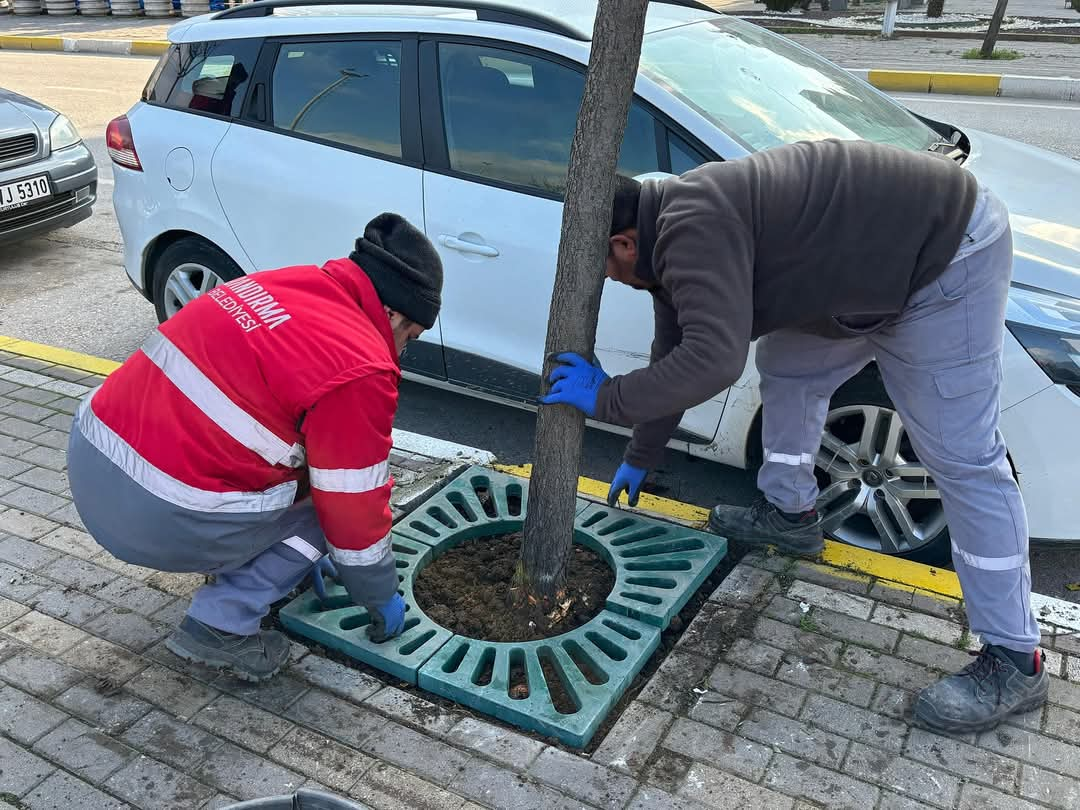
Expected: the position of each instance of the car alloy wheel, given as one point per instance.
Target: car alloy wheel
(875, 493)
(186, 283)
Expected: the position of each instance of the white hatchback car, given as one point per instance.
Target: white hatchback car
(270, 133)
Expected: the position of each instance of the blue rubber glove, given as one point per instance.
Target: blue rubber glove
(576, 383)
(387, 620)
(629, 478)
(323, 568)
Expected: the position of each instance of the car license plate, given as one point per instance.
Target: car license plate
(24, 192)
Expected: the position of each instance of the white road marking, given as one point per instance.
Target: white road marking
(79, 89)
(948, 100)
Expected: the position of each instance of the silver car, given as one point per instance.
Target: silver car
(48, 178)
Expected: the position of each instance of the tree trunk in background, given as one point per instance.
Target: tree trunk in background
(935, 8)
(579, 280)
(992, 32)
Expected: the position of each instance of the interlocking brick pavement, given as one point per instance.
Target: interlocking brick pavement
(790, 690)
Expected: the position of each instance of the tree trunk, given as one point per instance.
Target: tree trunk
(579, 280)
(992, 32)
(935, 8)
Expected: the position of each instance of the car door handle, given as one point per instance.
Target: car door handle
(461, 246)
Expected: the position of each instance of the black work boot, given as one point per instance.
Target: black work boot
(249, 658)
(762, 524)
(983, 694)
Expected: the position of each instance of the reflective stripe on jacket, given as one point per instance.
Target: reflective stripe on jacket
(258, 391)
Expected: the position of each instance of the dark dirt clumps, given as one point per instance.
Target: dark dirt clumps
(469, 590)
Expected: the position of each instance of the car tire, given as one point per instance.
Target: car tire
(872, 492)
(186, 269)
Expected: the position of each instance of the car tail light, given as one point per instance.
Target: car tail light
(121, 145)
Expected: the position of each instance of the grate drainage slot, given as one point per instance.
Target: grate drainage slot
(606, 646)
(481, 487)
(617, 526)
(622, 629)
(335, 603)
(659, 565)
(664, 548)
(442, 517)
(457, 500)
(652, 582)
(562, 686)
(593, 519)
(354, 621)
(514, 500)
(585, 663)
(564, 699)
(644, 598)
(519, 678)
(485, 668)
(636, 537)
(419, 641)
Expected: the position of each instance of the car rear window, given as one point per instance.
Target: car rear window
(209, 77)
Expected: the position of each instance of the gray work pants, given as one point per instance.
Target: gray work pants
(941, 364)
(256, 558)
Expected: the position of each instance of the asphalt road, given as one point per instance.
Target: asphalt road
(69, 289)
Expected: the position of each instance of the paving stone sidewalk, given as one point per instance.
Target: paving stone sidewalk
(789, 691)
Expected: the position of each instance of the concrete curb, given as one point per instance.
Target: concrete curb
(972, 84)
(438, 448)
(844, 561)
(909, 81)
(114, 47)
(910, 33)
(1048, 88)
(403, 440)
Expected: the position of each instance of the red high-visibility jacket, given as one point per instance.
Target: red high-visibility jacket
(258, 390)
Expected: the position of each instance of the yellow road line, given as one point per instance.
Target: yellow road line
(858, 562)
(892, 569)
(61, 357)
(844, 560)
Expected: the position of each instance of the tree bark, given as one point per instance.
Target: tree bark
(990, 41)
(579, 280)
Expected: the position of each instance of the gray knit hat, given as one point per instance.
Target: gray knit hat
(403, 266)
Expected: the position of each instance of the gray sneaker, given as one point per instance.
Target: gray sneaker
(983, 694)
(761, 524)
(250, 658)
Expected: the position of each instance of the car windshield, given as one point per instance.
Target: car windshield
(766, 91)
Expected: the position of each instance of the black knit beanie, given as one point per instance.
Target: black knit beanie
(403, 266)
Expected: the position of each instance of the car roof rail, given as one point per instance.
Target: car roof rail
(486, 10)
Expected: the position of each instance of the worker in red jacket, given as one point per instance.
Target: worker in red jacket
(250, 436)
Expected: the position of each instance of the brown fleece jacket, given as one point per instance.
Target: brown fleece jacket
(789, 238)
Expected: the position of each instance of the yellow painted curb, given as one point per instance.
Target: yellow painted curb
(924, 81)
(913, 81)
(148, 47)
(966, 84)
(851, 562)
(846, 561)
(16, 43)
(46, 43)
(60, 357)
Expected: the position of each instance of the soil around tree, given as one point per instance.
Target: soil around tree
(469, 590)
